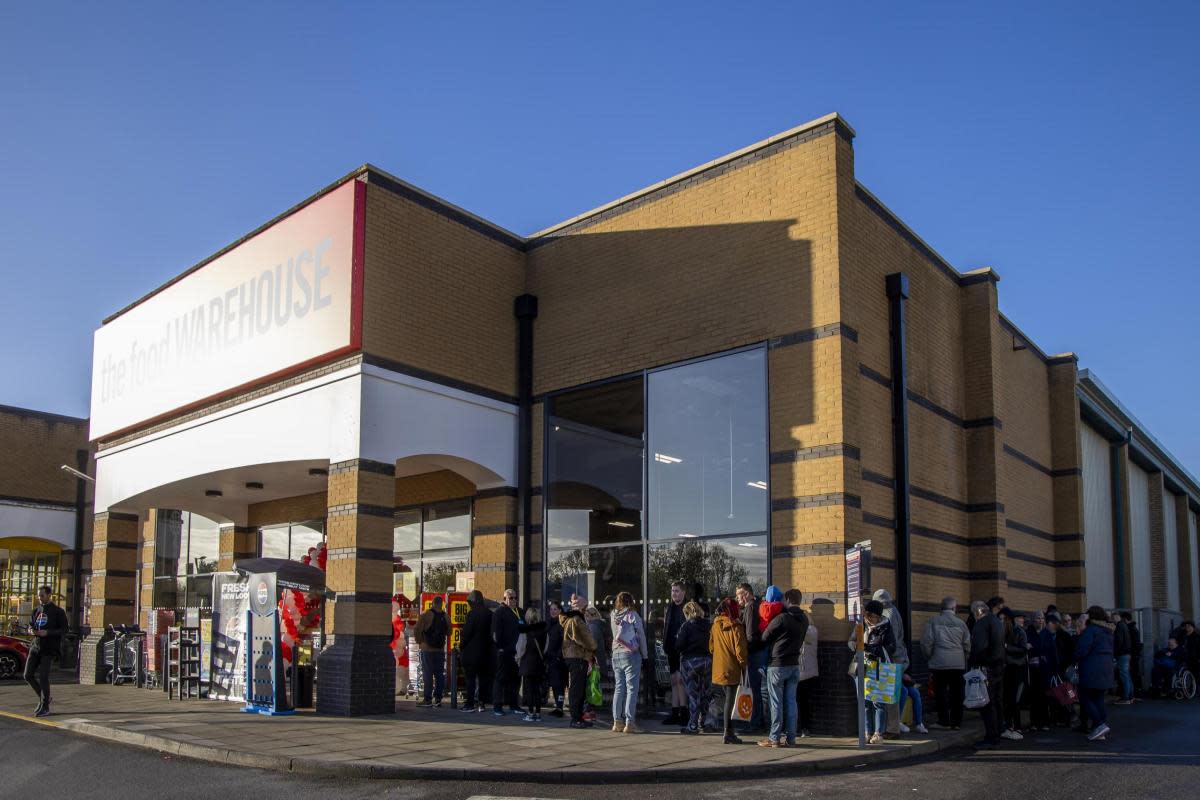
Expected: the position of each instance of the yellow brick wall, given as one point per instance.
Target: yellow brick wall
(34, 445)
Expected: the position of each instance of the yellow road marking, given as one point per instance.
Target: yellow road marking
(34, 720)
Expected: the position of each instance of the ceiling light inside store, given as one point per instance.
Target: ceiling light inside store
(757, 484)
(687, 536)
(663, 458)
(621, 524)
(747, 544)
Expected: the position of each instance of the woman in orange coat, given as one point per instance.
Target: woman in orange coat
(727, 643)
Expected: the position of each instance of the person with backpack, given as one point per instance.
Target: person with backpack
(629, 650)
(433, 628)
(531, 664)
(730, 656)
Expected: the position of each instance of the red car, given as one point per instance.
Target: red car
(13, 653)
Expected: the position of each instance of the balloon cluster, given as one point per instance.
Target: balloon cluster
(300, 613)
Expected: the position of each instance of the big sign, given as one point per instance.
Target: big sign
(286, 297)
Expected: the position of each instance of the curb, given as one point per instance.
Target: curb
(382, 771)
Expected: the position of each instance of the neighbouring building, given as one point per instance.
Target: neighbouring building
(733, 375)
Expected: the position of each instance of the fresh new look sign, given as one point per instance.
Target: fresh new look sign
(281, 299)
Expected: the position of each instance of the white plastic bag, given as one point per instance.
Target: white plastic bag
(975, 690)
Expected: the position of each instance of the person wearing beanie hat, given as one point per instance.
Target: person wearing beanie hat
(770, 607)
(879, 643)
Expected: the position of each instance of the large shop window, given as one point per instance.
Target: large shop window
(25, 565)
(695, 436)
(292, 541)
(186, 549)
(431, 545)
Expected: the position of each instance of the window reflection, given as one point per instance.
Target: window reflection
(430, 546)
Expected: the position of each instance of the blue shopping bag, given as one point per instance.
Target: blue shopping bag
(882, 682)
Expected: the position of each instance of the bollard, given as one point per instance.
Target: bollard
(453, 682)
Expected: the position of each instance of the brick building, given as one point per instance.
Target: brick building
(733, 374)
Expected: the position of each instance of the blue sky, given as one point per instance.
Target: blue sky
(1053, 142)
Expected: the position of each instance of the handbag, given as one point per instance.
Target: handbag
(1062, 692)
(881, 681)
(975, 692)
(594, 695)
(743, 702)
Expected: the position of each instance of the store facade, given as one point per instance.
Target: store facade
(733, 375)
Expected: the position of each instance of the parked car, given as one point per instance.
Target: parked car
(13, 652)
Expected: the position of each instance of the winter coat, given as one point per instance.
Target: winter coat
(1122, 641)
(1064, 647)
(692, 639)
(531, 661)
(767, 611)
(1015, 652)
(785, 637)
(577, 639)
(433, 628)
(554, 641)
(946, 642)
(749, 621)
(506, 627)
(808, 654)
(476, 644)
(727, 643)
(629, 619)
(672, 622)
(879, 642)
(892, 615)
(1094, 653)
(987, 642)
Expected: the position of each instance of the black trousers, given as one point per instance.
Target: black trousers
(37, 674)
(479, 689)
(992, 713)
(504, 685)
(948, 691)
(577, 670)
(1039, 703)
(532, 693)
(730, 699)
(804, 691)
(1014, 680)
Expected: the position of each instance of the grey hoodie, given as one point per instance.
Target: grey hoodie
(946, 642)
(628, 618)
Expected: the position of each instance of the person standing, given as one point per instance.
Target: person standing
(946, 643)
(1123, 652)
(756, 668)
(695, 664)
(506, 629)
(556, 671)
(784, 637)
(987, 653)
(47, 624)
(531, 664)
(892, 615)
(578, 649)
(730, 656)
(1139, 648)
(629, 650)
(433, 627)
(807, 683)
(672, 621)
(879, 644)
(1041, 641)
(599, 631)
(477, 652)
(1016, 669)
(1094, 654)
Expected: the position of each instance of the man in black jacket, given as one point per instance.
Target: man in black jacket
(477, 652)
(1123, 653)
(672, 622)
(987, 653)
(506, 624)
(47, 625)
(756, 666)
(1135, 637)
(784, 637)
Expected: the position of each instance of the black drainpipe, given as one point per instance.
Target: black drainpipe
(525, 308)
(897, 292)
(81, 463)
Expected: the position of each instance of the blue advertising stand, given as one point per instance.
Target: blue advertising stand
(266, 692)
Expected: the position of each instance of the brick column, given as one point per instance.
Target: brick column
(984, 435)
(236, 542)
(1066, 472)
(149, 525)
(114, 561)
(494, 546)
(356, 674)
(1184, 565)
(1158, 542)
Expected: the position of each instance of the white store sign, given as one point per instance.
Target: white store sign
(286, 297)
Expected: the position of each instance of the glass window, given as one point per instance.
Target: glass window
(431, 545)
(204, 544)
(26, 565)
(438, 569)
(187, 548)
(598, 573)
(406, 532)
(707, 447)
(447, 525)
(594, 454)
(274, 543)
(708, 568)
(305, 536)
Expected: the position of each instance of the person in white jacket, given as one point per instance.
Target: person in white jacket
(946, 643)
(629, 650)
(808, 680)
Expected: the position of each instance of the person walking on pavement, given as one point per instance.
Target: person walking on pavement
(756, 668)
(578, 649)
(784, 637)
(1123, 652)
(433, 628)
(1094, 654)
(672, 622)
(478, 652)
(730, 656)
(629, 650)
(695, 664)
(946, 643)
(506, 629)
(892, 615)
(47, 624)
(987, 653)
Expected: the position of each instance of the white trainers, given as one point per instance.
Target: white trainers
(903, 728)
(1099, 733)
(876, 738)
(1013, 735)
(921, 729)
